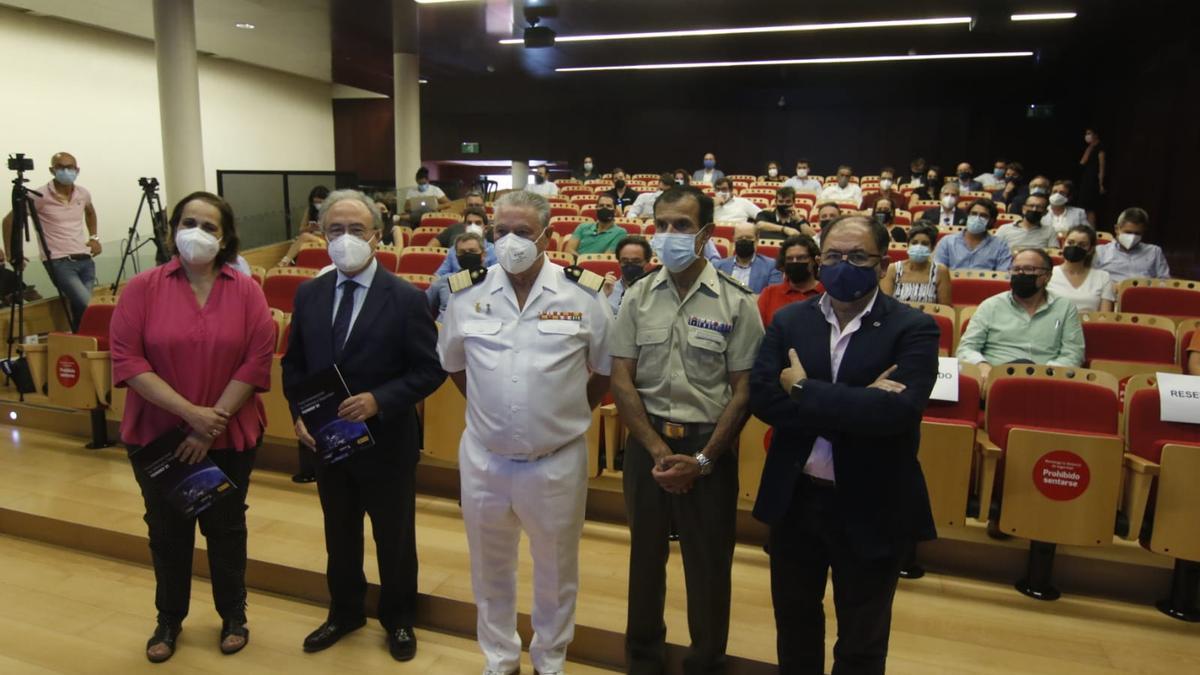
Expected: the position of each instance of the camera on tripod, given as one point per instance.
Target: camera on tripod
(20, 163)
(148, 184)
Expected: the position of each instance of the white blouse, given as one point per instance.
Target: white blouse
(1096, 286)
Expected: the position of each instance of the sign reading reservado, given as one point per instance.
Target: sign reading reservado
(1179, 398)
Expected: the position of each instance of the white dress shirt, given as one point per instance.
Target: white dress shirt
(643, 206)
(806, 185)
(1061, 222)
(820, 460)
(363, 279)
(837, 193)
(741, 273)
(431, 191)
(527, 369)
(737, 209)
(547, 189)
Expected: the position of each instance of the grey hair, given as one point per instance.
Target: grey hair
(1135, 215)
(469, 236)
(352, 195)
(1041, 252)
(523, 199)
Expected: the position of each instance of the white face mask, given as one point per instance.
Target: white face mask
(587, 166)
(949, 201)
(723, 195)
(196, 246)
(474, 228)
(1129, 240)
(772, 172)
(802, 173)
(516, 254)
(885, 184)
(1058, 199)
(349, 253)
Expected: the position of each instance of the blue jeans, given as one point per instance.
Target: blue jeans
(74, 280)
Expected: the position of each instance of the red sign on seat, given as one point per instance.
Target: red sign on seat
(1061, 475)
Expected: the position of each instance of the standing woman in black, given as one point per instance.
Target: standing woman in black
(1091, 174)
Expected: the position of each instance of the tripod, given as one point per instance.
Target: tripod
(23, 211)
(158, 229)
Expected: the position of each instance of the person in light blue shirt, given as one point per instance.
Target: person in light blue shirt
(974, 248)
(450, 264)
(753, 269)
(468, 254)
(1129, 257)
(633, 253)
(801, 182)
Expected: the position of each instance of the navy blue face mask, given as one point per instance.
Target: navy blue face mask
(848, 283)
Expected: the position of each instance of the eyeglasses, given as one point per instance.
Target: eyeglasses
(1030, 270)
(856, 258)
(333, 231)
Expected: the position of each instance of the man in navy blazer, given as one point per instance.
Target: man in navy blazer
(377, 329)
(843, 379)
(747, 265)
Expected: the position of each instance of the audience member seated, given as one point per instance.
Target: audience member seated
(948, 212)
(798, 260)
(966, 182)
(843, 190)
(542, 184)
(887, 182)
(993, 180)
(588, 171)
(1076, 279)
(643, 206)
(918, 279)
(308, 229)
(682, 177)
(424, 188)
(916, 173)
(391, 231)
(710, 173)
(623, 195)
(1061, 217)
(471, 215)
(600, 236)
(1025, 325)
(884, 212)
(468, 253)
(746, 264)
(772, 175)
(974, 248)
(827, 212)
(801, 183)
(633, 253)
(1014, 191)
(730, 207)
(1129, 257)
(1029, 232)
(474, 222)
(930, 190)
(783, 221)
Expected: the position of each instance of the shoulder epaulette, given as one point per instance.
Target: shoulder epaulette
(734, 282)
(466, 279)
(586, 278)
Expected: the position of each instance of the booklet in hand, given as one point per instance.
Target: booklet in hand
(318, 399)
(191, 488)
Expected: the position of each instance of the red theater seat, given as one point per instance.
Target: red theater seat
(418, 260)
(1165, 297)
(971, 287)
(1128, 344)
(281, 284)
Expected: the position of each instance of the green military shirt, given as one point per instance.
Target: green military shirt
(592, 241)
(685, 349)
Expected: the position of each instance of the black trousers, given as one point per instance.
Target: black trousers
(306, 460)
(173, 538)
(379, 483)
(706, 518)
(804, 547)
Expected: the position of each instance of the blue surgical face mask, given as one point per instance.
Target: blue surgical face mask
(423, 187)
(918, 253)
(66, 176)
(710, 163)
(976, 224)
(848, 283)
(998, 173)
(675, 251)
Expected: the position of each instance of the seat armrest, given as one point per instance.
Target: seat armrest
(989, 460)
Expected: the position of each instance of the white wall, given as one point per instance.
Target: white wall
(93, 93)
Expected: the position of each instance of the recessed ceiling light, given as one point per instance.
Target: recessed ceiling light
(422, 81)
(244, 25)
(1044, 16)
(800, 62)
(750, 30)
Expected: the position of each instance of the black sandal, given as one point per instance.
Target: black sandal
(164, 634)
(232, 628)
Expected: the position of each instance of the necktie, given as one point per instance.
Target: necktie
(341, 321)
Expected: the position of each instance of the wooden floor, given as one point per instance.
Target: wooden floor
(66, 612)
(941, 624)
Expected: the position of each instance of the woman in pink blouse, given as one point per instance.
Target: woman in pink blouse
(193, 340)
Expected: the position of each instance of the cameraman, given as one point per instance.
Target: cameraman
(64, 210)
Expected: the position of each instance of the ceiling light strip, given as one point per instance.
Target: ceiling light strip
(799, 62)
(1044, 16)
(751, 30)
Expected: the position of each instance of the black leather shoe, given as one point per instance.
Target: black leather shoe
(164, 634)
(232, 628)
(329, 633)
(402, 643)
(304, 478)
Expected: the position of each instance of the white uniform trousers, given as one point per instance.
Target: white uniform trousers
(546, 498)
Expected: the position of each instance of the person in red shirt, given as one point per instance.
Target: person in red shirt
(193, 340)
(798, 258)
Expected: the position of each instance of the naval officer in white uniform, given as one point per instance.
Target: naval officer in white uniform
(526, 343)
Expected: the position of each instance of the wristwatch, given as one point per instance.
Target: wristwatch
(706, 464)
(94, 237)
(797, 389)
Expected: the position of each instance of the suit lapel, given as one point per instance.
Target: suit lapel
(377, 297)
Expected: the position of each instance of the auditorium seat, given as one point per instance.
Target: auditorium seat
(1162, 470)
(78, 370)
(313, 255)
(946, 231)
(948, 446)
(769, 195)
(600, 263)
(572, 190)
(1176, 298)
(971, 287)
(768, 249)
(406, 233)
(723, 246)
(421, 281)
(901, 217)
(1184, 332)
(588, 212)
(426, 236)
(421, 260)
(1003, 218)
(761, 202)
(632, 225)
(583, 200)
(923, 205)
(258, 273)
(564, 210)
(440, 219)
(281, 283)
(1053, 433)
(723, 230)
(281, 320)
(897, 252)
(753, 442)
(565, 225)
(560, 258)
(388, 257)
(1128, 344)
(944, 316)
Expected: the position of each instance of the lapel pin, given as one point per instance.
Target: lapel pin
(876, 324)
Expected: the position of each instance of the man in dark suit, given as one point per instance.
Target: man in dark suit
(378, 331)
(948, 212)
(843, 379)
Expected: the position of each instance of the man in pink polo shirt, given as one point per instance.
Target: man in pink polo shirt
(65, 211)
